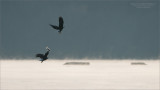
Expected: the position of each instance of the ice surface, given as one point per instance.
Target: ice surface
(100, 74)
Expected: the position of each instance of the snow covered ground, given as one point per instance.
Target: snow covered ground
(98, 74)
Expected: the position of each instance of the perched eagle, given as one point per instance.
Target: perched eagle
(60, 27)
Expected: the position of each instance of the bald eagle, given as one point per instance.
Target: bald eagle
(60, 27)
(43, 56)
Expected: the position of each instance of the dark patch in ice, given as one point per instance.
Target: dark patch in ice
(138, 63)
(77, 63)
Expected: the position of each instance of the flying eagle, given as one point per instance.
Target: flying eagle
(60, 27)
(43, 56)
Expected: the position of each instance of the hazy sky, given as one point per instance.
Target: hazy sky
(92, 28)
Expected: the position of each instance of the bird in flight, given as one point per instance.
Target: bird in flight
(43, 56)
(60, 27)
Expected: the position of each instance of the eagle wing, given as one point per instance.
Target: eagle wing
(55, 27)
(40, 55)
(61, 22)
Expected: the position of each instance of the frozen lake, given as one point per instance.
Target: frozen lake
(99, 74)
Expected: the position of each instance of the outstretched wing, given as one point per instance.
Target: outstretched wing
(61, 22)
(55, 27)
(40, 55)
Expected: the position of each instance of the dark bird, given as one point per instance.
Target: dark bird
(60, 27)
(43, 56)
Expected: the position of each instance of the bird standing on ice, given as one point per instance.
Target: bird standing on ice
(60, 27)
(43, 56)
